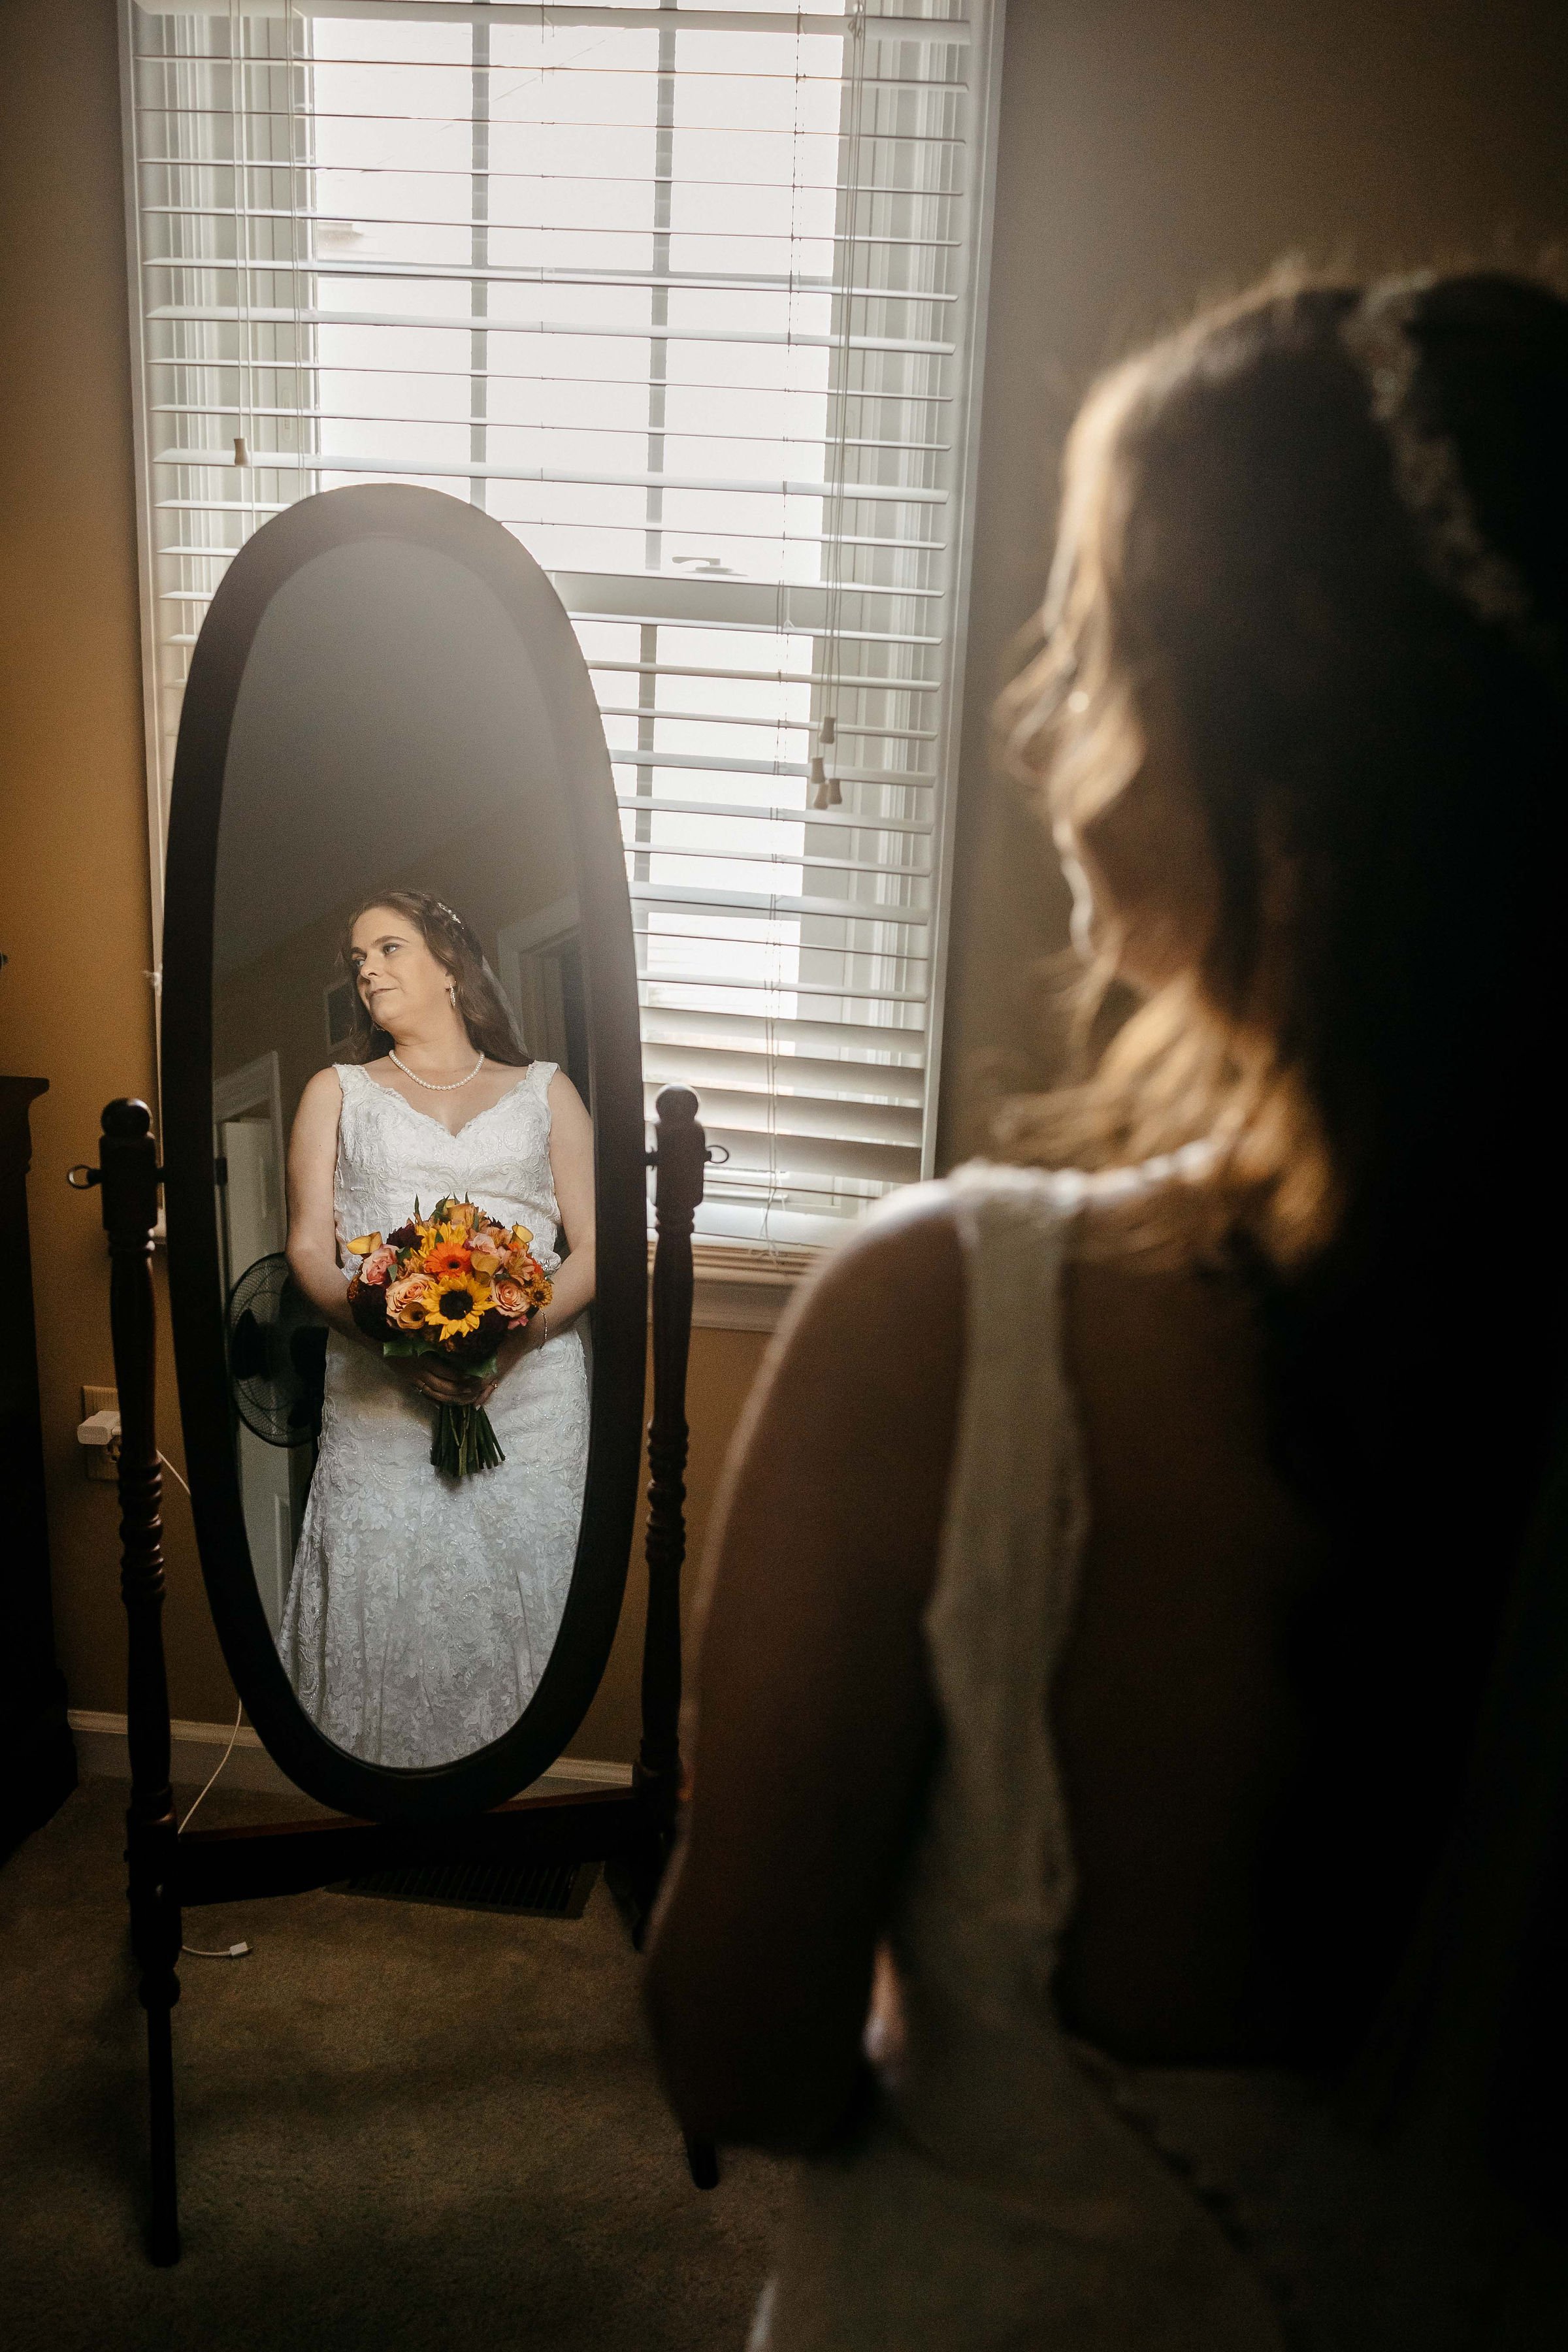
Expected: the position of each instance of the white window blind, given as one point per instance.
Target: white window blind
(690, 298)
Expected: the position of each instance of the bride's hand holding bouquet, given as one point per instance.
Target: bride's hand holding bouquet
(447, 1293)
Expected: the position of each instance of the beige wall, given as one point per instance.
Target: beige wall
(76, 1004)
(1152, 150)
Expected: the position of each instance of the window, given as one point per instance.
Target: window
(689, 298)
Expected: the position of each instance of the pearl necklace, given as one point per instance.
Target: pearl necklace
(429, 1084)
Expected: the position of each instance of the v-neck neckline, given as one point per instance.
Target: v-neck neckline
(452, 1133)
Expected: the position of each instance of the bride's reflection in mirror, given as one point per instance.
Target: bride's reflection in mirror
(423, 1605)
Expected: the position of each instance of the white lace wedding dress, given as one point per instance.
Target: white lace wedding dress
(421, 1609)
(1014, 2190)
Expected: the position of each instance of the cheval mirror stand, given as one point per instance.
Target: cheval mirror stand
(630, 1830)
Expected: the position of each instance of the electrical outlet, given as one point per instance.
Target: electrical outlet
(99, 1463)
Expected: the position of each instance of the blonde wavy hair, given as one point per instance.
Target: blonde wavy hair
(1360, 746)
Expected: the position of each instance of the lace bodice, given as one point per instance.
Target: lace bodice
(388, 1153)
(421, 1609)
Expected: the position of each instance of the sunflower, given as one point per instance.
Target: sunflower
(460, 1301)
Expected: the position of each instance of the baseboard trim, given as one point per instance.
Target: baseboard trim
(195, 1748)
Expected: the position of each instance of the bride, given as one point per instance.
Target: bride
(1126, 1855)
(421, 1609)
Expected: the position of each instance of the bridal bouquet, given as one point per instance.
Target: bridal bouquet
(451, 1285)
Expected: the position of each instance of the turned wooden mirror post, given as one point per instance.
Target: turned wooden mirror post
(128, 1175)
(678, 1159)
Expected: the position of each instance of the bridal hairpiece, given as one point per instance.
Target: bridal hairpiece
(1427, 472)
(452, 915)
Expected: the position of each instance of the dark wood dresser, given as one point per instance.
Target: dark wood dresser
(38, 1761)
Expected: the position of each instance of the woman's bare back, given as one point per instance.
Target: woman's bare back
(1178, 1730)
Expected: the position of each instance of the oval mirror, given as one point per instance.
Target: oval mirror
(404, 1152)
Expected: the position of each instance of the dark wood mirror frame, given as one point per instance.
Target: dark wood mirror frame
(439, 1817)
(460, 532)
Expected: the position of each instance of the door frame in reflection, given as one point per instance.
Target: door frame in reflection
(450, 527)
(271, 1486)
(552, 1027)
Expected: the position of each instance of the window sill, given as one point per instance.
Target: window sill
(742, 1286)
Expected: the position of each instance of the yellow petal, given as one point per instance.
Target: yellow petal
(521, 1237)
(365, 1243)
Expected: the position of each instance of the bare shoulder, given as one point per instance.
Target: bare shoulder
(325, 1087)
(320, 1101)
(850, 1429)
(891, 1295)
(562, 1096)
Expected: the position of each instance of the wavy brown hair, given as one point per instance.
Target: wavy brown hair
(1380, 775)
(481, 1007)
(1368, 1024)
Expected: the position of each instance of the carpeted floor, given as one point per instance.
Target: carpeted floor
(400, 2128)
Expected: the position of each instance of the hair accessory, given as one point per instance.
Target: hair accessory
(1427, 471)
(453, 917)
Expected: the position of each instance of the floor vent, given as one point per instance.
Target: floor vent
(551, 1891)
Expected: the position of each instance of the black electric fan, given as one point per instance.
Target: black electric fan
(277, 1354)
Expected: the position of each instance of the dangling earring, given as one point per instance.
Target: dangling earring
(452, 995)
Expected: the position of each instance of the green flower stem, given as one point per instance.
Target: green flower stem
(463, 1441)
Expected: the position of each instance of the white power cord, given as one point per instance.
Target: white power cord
(217, 1768)
(233, 1952)
(197, 1951)
(173, 1472)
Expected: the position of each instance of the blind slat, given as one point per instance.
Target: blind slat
(269, 314)
(889, 25)
(316, 461)
(688, 1027)
(793, 813)
(778, 902)
(793, 1075)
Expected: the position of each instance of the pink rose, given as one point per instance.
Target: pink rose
(378, 1266)
(409, 1303)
